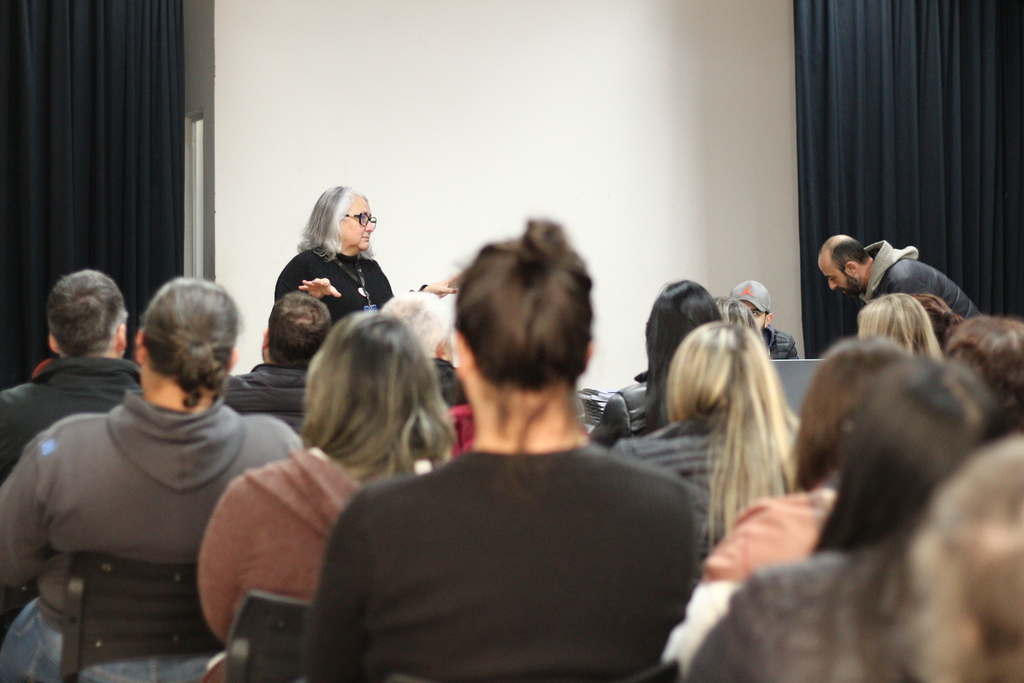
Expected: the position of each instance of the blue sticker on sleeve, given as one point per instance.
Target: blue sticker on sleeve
(47, 447)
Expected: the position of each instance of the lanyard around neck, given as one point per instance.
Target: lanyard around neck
(362, 282)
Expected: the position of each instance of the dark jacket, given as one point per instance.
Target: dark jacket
(139, 483)
(623, 416)
(901, 272)
(681, 448)
(343, 272)
(269, 389)
(835, 617)
(65, 386)
(451, 387)
(781, 346)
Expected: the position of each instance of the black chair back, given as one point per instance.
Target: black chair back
(265, 643)
(120, 609)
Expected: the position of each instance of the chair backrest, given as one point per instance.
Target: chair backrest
(265, 642)
(666, 672)
(120, 609)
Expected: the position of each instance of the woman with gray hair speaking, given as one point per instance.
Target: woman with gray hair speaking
(335, 262)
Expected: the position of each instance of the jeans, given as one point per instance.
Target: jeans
(31, 652)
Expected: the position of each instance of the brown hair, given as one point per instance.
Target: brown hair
(944, 320)
(849, 368)
(189, 331)
(373, 402)
(968, 562)
(994, 347)
(297, 327)
(524, 310)
(83, 311)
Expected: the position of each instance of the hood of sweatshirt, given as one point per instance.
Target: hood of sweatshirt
(181, 450)
(885, 256)
(307, 486)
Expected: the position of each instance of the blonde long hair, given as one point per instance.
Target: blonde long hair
(722, 371)
(903, 319)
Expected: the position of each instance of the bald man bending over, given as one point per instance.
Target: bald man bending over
(868, 273)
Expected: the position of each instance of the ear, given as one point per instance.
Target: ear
(234, 360)
(121, 340)
(141, 353)
(54, 346)
(767, 319)
(444, 351)
(467, 361)
(851, 267)
(590, 354)
(266, 339)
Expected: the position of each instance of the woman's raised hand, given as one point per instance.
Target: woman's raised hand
(319, 287)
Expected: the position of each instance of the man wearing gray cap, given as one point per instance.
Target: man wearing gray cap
(756, 297)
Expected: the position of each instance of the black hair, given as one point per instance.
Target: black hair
(846, 250)
(680, 308)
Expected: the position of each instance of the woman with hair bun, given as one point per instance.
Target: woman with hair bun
(335, 262)
(519, 560)
(138, 483)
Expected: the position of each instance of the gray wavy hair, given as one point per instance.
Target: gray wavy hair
(322, 234)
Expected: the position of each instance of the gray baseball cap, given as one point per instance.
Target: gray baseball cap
(754, 292)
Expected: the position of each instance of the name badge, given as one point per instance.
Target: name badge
(371, 307)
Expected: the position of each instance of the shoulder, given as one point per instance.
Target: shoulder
(266, 432)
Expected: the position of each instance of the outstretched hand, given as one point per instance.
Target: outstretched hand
(319, 287)
(442, 288)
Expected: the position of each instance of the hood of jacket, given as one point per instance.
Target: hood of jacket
(87, 371)
(181, 450)
(885, 256)
(306, 486)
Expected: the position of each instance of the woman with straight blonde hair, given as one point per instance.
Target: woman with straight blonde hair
(903, 319)
(731, 430)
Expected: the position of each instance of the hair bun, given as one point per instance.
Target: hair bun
(544, 242)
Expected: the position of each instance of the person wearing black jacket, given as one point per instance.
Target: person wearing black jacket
(869, 272)
(86, 316)
(298, 326)
(755, 296)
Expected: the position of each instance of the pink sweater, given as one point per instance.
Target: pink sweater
(268, 532)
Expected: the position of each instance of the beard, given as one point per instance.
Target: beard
(852, 288)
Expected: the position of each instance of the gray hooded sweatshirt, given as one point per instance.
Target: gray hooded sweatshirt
(886, 257)
(139, 483)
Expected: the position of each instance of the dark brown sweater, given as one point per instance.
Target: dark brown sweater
(568, 566)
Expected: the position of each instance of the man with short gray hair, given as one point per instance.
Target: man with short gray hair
(430, 323)
(88, 331)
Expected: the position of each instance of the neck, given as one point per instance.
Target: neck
(526, 422)
(350, 251)
(164, 392)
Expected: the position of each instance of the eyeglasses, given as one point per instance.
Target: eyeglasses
(364, 218)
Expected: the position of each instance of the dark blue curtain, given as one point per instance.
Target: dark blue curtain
(909, 130)
(92, 161)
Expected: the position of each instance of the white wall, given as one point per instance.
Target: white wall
(660, 132)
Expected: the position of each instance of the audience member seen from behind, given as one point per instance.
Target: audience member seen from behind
(782, 529)
(511, 562)
(373, 410)
(842, 615)
(640, 408)
(138, 483)
(994, 347)
(901, 318)
(87, 320)
(733, 311)
(731, 432)
(430, 323)
(755, 296)
(968, 569)
(298, 325)
(944, 320)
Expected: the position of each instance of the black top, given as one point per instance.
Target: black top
(568, 566)
(65, 386)
(269, 389)
(913, 277)
(343, 272)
